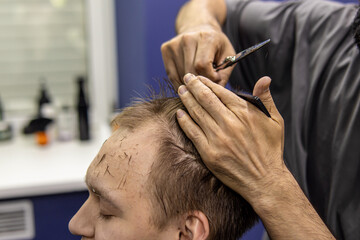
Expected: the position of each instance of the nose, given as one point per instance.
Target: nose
(82, 223)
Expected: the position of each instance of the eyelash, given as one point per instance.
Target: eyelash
(105, 217)
(102, 216)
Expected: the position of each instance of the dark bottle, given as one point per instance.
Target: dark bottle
(1, 111)
(44, 103)
(82, 108)
(5, 128)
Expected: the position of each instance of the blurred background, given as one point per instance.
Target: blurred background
(66, 64)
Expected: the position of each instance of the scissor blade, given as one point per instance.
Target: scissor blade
(231, 60)
(249, 50)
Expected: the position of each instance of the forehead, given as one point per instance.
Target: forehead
(124, 161)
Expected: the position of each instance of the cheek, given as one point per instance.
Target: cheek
(122, 230)
(110, 229)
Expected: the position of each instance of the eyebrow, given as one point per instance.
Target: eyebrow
(100, 193)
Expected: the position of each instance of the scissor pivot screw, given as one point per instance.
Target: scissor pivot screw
(230, 59)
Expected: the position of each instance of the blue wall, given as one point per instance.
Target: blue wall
(131, 38)
(142, 26)
(52, 214)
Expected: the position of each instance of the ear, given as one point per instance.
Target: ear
(195, 226)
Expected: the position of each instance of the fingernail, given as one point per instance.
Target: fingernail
(180, 113)
(187, 77)
(182, 89)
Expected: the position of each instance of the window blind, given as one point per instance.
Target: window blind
(41, 40)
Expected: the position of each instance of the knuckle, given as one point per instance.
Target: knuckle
(165, 47)
(170, 47)
(211, 36)
(206, 34)
(211, 157)
(206, 94)
(226, 141)
(231, 123)
(215, 163)
(187, 39)
(211, 153)
(195, 136)
(197, 114)
(201, 65)
(222, 139)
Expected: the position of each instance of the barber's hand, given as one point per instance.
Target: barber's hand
(195, 51)
(237, 142)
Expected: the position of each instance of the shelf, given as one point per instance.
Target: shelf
(30, 170)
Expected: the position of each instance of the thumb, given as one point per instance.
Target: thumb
(262, 91)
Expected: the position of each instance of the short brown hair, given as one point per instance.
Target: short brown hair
(179, 180)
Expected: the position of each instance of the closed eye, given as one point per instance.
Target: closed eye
(105, 216)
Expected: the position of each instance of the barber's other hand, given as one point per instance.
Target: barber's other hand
(237, 142)
(195, 51)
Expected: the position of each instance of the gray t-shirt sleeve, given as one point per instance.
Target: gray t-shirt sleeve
(251, 22)
(314, 66)
(304, 35)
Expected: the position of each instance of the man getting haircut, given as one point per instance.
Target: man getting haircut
(149, 182)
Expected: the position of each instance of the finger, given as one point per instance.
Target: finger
(228, 98)
(224, 74)
(207, 99)
(204, 59)
(173, 74)
(189, 48)
(235, 104)
(262, 90)
(197, 112)
(170, 65)
(223, 50)
(192, 131)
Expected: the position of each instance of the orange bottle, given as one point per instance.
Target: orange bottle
(41, 138)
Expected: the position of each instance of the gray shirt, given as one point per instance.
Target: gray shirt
(315, 70)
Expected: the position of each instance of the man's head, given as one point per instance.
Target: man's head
(148, 182)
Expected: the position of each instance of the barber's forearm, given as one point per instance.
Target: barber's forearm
(287, 213)
(199, 13)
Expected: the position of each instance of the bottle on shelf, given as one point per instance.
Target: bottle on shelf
(5, 127)
(82, 109)
(66, 122)
(45, 106)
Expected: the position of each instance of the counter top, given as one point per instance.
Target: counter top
(30, 170)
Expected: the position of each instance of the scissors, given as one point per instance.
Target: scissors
(231, 60)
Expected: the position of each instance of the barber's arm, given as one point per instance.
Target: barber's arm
(244, 149)
(200, 42)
